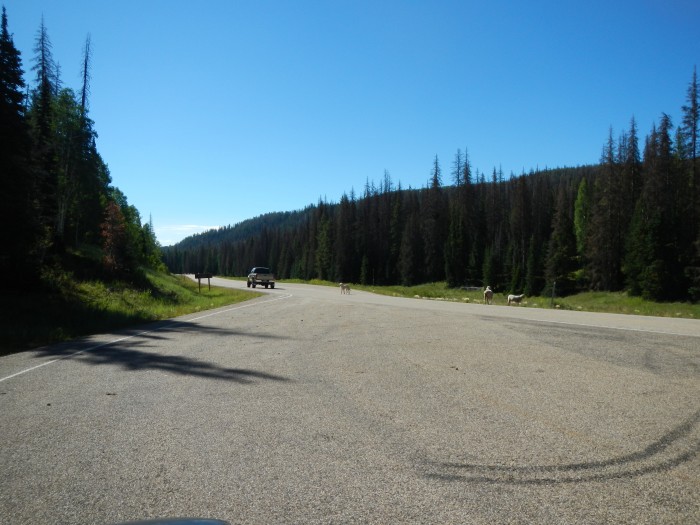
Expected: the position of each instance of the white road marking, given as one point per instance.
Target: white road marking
(101, 345)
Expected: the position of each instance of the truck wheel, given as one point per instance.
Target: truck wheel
(272, 285)
(253, 285)
(265, 286)
(248, 283)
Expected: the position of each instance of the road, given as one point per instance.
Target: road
(308, 406)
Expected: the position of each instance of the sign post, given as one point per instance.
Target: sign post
(200, 276)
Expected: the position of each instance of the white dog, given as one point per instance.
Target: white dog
(515, 298)
(344, 288)
(488, 295)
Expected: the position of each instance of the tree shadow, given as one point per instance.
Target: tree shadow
(676, 447)
(130, 352)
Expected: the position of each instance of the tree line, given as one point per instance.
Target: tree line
(630, 222)
(58, 204)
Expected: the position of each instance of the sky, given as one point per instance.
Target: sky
(213, 112)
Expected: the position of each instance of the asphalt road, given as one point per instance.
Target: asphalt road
(308, 406)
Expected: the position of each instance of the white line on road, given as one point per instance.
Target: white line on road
(101, 345)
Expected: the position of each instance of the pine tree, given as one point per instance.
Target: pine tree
(454, 248)
(85, 75)
(346, 261)
(533, 284)
(396, 227)
(152, 253)
(434, 226)
(562, 248)
(691, 127)
(466, 170)
(606, 241)
(68, 144)
(631, 175)
(652, 264)
(18, 233)
(11, 82)
(520, 231)
(411, 252)
(42, 120)
(90, 176)
(582, 214)
(688, 138)
(114, 237)
(324, 250)
(457, 168)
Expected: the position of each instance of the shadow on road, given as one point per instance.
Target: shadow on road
(678, 446)
(130, 352)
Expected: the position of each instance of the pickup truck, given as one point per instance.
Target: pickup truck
(261, 275)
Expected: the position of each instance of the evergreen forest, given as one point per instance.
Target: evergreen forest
(60, 212)
(630, 222)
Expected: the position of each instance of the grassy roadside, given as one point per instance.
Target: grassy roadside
(70, 308)
(73, 308)
(609, 302)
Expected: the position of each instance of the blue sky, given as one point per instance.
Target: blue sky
(213, 112)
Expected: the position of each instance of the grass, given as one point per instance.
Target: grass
(621, 303)
(70, 308)
(609, 302)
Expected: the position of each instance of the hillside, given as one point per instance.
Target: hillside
(619, 225)
(249, 228)
(631, 223)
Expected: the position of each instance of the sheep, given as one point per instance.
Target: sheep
(515, 299)
(488, 295)
(344, 288)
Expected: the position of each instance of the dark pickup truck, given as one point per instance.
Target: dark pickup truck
(261, 275)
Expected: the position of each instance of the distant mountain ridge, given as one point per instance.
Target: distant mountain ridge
(242, 230)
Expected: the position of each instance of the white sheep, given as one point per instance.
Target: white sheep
(515, 298)
(488, 295)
